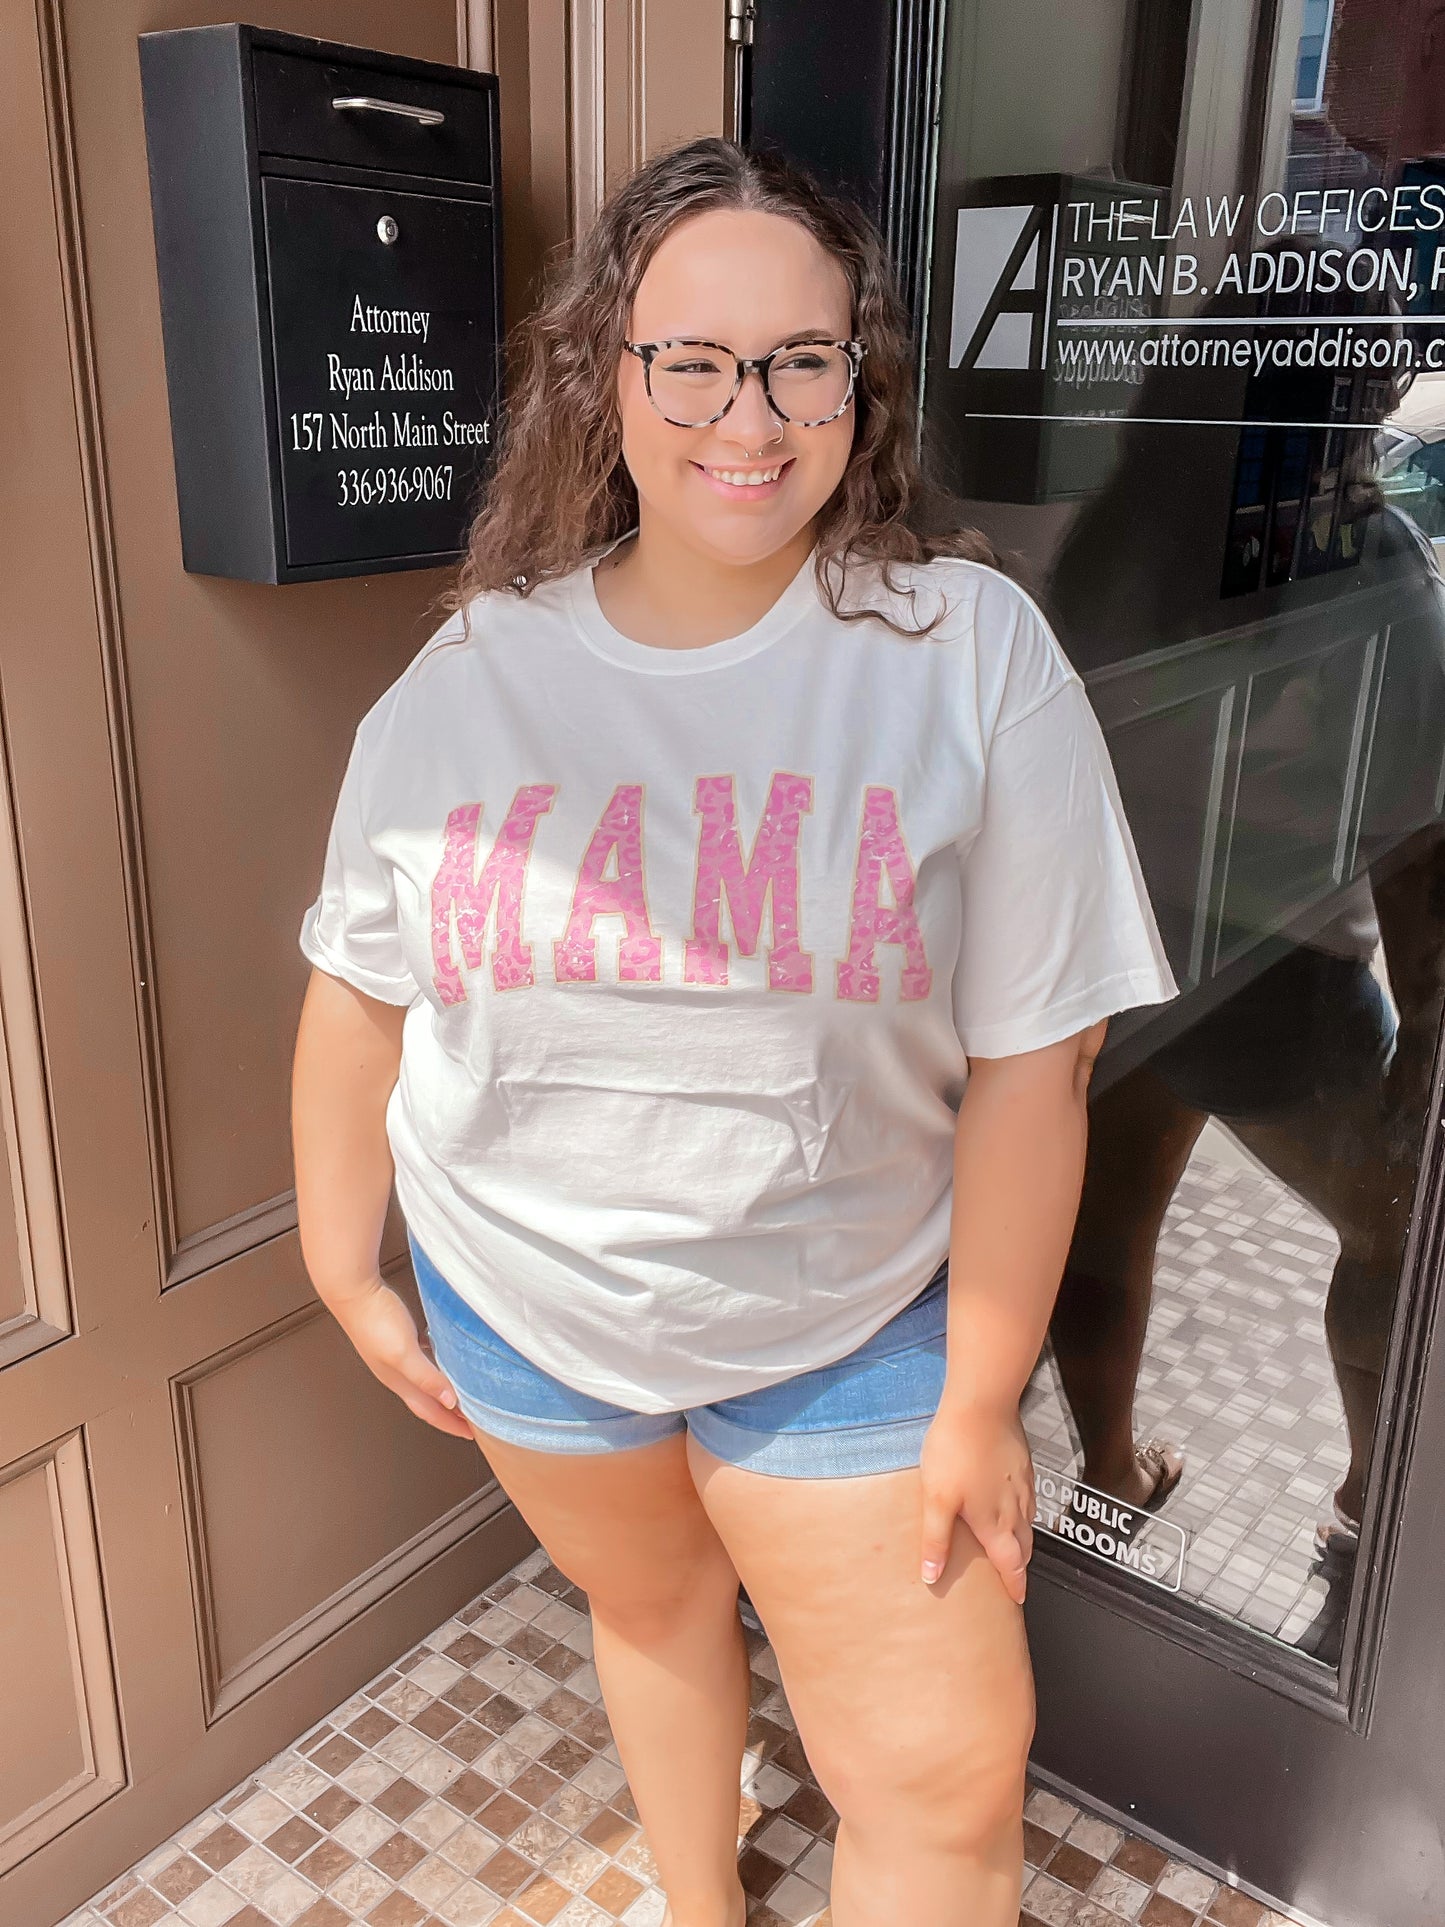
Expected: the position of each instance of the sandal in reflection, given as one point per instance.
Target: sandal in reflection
(1163, 1464)
(1337, 1543)
(1158, 1468)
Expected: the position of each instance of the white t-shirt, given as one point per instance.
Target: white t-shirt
(695, 944)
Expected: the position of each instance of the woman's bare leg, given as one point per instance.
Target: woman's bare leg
(1140, 1138)
(1333, 1154)
(915, 1703)
(628, 1528)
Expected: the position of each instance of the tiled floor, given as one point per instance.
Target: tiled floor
(1236, 1371)
(475, 1784)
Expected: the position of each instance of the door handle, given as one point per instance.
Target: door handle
(365, 103)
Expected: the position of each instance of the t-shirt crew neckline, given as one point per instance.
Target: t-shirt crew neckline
(603, 640)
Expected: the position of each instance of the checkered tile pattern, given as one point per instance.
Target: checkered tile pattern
(1236, 1371)
(1083, 1872)
(475, 1784)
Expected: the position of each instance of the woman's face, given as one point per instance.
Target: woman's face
(750, 282)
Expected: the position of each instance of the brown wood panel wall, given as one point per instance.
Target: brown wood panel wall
(213, 1522)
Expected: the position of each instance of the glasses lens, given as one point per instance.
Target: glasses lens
(810, 382)
(691, 384)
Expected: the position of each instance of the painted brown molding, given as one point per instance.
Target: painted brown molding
(25, 1112)
(105, 576)
(225, 1687)
(232, 1236)
(61, 1466)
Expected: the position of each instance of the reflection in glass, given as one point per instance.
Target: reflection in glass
(1314, 44)
(1186, 359)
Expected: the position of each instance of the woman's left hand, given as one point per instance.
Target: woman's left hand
(976, 1467)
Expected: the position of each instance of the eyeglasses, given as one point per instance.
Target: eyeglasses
(694, 383)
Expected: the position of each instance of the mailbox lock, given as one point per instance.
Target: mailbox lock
(387, 230)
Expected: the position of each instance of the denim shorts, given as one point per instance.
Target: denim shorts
(866, 1413)
(1310, 1028)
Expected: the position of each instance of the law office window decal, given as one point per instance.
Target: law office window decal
(1185, 363)
(1089, 323)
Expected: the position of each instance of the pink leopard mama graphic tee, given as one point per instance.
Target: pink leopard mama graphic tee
(695, 946)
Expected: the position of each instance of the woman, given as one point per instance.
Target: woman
(726, 903)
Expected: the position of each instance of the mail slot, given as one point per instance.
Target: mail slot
(329, 255)
(297, 117)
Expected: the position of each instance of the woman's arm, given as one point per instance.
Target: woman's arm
(1018, 1170)
(348, 1052)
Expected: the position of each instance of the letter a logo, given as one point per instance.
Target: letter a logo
(999, 287)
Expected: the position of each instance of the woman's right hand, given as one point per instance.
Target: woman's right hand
(384, 1334)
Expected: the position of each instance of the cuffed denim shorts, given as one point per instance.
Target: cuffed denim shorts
(866, 1413)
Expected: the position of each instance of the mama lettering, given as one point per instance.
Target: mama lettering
(468, 901)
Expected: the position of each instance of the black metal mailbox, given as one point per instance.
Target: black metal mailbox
(328, 241)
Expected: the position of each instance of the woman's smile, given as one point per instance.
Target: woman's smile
(740, 483)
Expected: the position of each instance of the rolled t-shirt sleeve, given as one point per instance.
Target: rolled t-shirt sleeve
(1057, 927)
(352, 930)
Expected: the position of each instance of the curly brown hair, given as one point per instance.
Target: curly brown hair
(560, 489)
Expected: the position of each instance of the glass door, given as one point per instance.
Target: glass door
(1179, 273)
